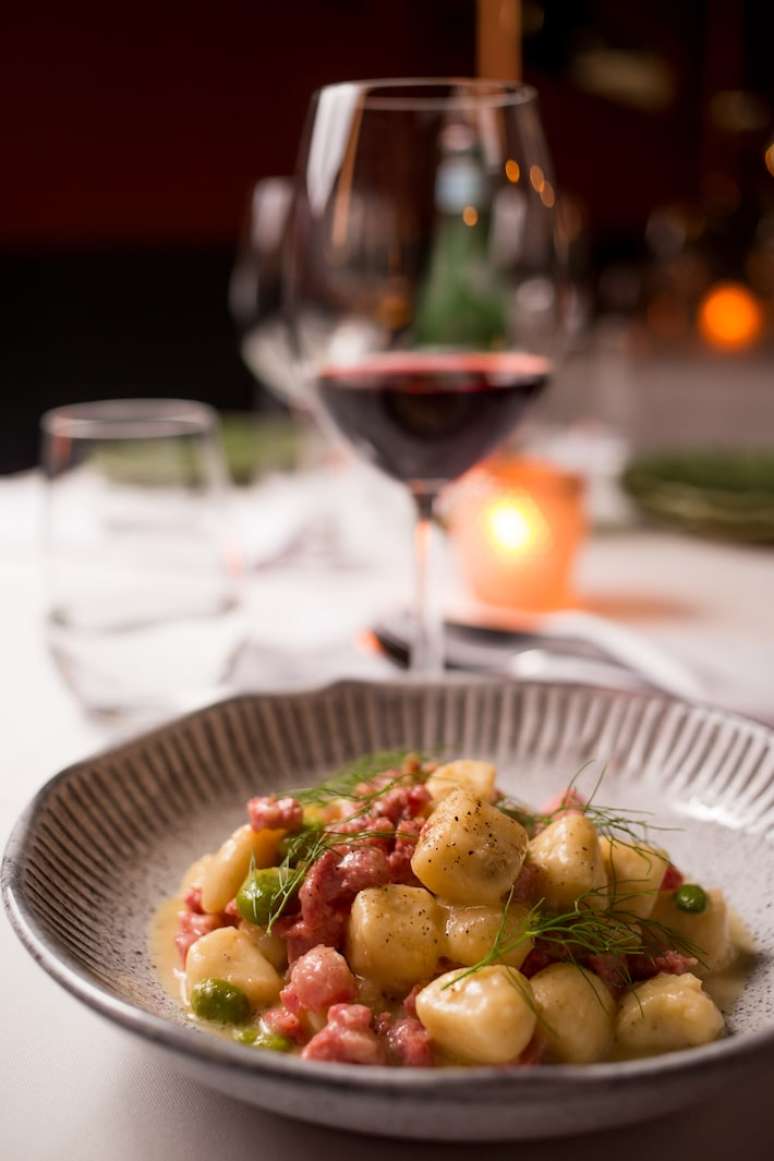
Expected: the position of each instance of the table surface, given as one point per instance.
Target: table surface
(76, 1089)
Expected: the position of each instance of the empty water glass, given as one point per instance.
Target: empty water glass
(142, 568)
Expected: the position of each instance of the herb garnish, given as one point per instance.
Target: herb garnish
(351, 783)
(345, 782)
(627, 827)
(581, 931)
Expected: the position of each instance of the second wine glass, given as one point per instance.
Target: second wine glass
(423, 280)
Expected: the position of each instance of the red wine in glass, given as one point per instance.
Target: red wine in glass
(406, 191)
(426, 418)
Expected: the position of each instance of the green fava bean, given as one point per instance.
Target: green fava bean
(274, 1042)
(220, 1001)
(260, 1038)
(295, 847)
(247, 1035)
(692, 898)
(261, 893)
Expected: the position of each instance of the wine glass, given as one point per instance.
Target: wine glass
(255, 292)
(423, 280)
(256, 304)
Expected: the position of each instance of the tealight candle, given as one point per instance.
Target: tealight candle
(517, 524)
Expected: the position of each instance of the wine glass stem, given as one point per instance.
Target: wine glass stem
(427, 655)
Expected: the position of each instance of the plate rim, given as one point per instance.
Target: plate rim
(410, 1083)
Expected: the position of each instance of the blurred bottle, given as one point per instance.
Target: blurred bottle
(460, 302)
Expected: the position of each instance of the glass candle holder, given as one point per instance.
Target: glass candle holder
(517, 525)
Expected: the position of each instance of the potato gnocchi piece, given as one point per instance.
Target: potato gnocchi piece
(468, 851)
(271, 946)
(230, 954)
(664, 1014)
(195, 873)
(576, 1012)
(477, 778)
(485, 1018)
(395, 936)
(634, 875)
(709, 931)
(471, 932)
(569, 860)
(224, 874)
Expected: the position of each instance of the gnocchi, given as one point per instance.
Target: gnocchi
(471, 932)
(229, 954)
(476, 777)
(223, 873)
(664, 1014)
(195, 873)
(394, 936)
(576, 1012)
(271, 946)
(569, 861)
(634, 875)
(485, 1018)
(708, 932)
(414, 915)
(468, 851)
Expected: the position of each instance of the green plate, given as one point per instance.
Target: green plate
(725, 494)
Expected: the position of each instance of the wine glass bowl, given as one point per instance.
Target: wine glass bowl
(425, 418)
(255, 291)
(423, 276)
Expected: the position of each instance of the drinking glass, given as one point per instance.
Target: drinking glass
(424, 280)
(142, 572)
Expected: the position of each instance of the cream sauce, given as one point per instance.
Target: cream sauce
(164, 953)
(726, 986)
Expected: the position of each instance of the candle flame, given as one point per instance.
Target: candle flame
(517, 524)
(514, 524)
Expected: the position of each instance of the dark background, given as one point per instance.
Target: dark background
(131, 135)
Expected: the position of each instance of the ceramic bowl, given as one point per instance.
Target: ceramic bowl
(106, 839)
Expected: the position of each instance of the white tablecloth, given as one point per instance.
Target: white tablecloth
(75, 1089)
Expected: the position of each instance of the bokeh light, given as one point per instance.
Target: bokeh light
(547, 195)
(537, 178)
(730, 317)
